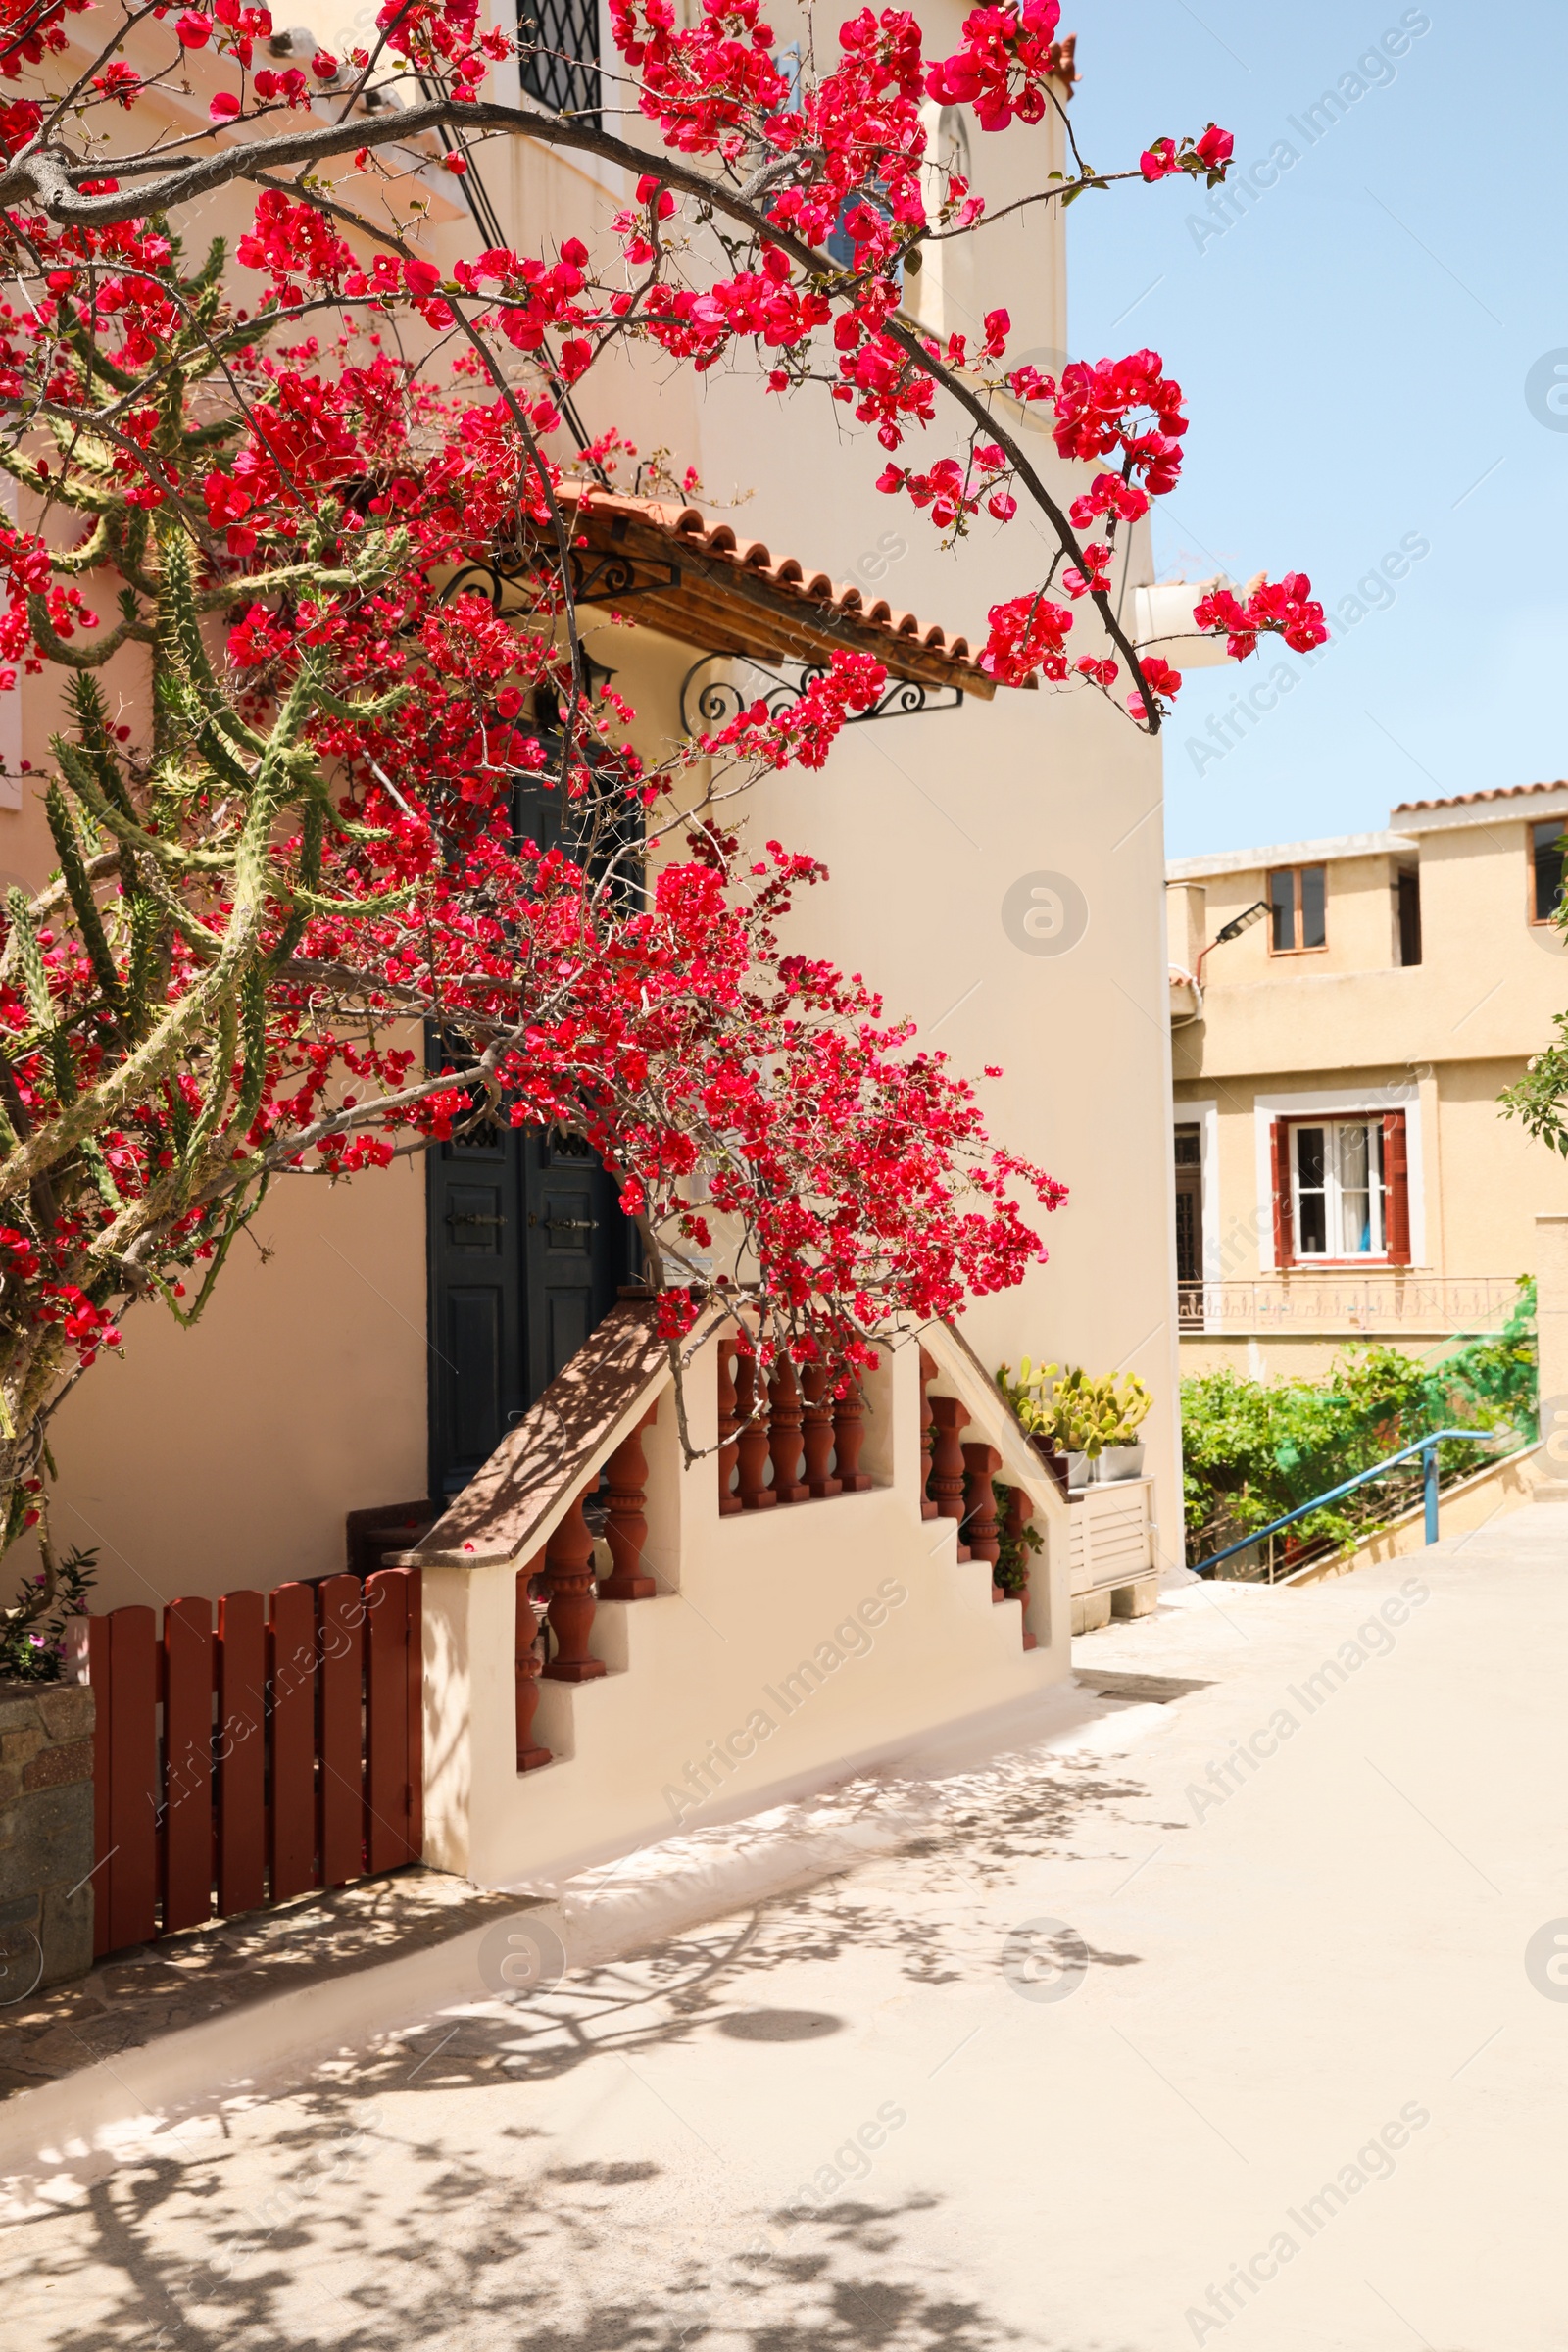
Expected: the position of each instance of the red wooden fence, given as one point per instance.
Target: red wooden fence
(242, 1764)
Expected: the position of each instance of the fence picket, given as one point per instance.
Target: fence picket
(99, 1677)
(186, 1840)
(342, 1787)
(414, 1709)
(291, 1696)
(241, 1752)
(386, 1694)
(133, 1778)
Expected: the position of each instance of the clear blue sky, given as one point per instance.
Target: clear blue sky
(1355, 351)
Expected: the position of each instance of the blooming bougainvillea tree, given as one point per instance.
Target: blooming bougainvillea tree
(296, 928)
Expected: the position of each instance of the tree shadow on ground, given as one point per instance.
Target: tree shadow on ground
(168, 2264)
(366, 2234)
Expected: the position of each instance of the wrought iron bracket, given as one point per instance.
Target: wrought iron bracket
(606, 578)
(712, 702)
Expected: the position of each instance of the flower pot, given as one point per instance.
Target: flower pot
(1120, 1461)
(1080, 1469)
(1055, 1463)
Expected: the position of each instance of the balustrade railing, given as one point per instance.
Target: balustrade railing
(558, 1592)
(1307, 1301)
(786, 1439)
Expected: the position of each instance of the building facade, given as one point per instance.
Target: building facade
(997, 873)
(1345, 1014)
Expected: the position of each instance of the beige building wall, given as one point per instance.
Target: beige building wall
(228, 1455)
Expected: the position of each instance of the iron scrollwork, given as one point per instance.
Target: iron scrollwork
(711, 701)
(520, 562)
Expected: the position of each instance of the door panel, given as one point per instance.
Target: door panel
(474, 1324)
(566, 1320)
(477, 1376)
(576, 1248)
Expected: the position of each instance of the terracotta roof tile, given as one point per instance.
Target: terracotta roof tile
(810, 607)
(1465, 800)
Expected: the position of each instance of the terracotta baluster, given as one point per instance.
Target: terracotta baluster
(818, 1431)
(529, 1757)
(1020, 1510)
(848, 1436)
(981, 1463)
(626, 1528)
(568, 1564)
(728, 1503)
(930, 1508)
(754, 1495)
(784, 1433)
(949, 1417)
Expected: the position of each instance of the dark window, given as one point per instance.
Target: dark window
(1409, 918)
(1310, 880)
(1297, 897)
(1190, 1227)
(1547, 847)
(1312, 1201)
(1282, 897)
(561, 69)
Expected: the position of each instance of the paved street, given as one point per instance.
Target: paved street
(1213, 2016)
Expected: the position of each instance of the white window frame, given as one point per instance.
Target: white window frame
(1363, 1101)
(1335, 1249)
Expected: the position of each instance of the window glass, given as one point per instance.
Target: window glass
(1355, 1198)
(1547, 844)
(1311, 1198)
(1282, 897)
(1313, 932)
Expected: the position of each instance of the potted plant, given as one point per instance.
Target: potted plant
(1025, 1392)
(1090, 1425)
(1121, 1454)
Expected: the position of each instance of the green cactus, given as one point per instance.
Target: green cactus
(1078, 1414)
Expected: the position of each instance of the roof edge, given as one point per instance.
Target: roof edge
(1288, 853)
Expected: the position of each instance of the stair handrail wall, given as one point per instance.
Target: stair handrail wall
(637, 1724)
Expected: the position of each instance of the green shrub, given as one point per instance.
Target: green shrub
(32, 1638)
(1253, 1450)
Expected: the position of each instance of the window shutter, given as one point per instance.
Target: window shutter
(1396, 1193)
(1280, 1161)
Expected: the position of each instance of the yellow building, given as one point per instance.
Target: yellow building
(1345, 1014)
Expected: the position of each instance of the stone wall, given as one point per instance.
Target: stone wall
(46, 1834)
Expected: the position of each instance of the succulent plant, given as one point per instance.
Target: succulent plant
(1078, 1414)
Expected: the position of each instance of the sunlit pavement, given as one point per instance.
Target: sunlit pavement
(1242, 2019)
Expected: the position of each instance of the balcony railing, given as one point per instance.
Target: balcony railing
(1376, 1305)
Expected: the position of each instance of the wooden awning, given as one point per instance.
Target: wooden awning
(671, 569)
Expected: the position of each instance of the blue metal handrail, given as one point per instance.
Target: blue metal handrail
(1426, 1446)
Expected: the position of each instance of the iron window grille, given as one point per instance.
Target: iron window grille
(562, 70)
